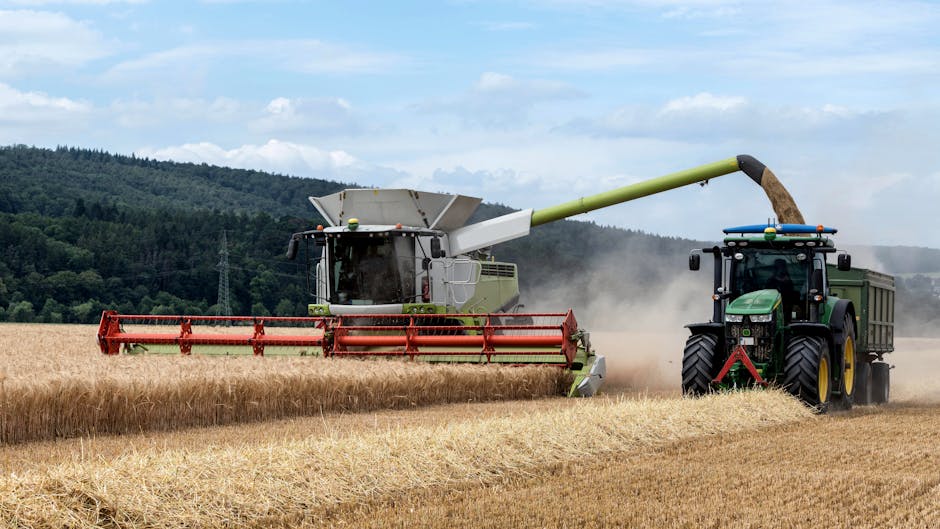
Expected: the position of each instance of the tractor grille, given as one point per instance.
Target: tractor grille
(763, 334)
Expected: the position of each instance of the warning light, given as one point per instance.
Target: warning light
(819, 228)
(398, 226)
(770, 233)
(353, 224)
(319, 227)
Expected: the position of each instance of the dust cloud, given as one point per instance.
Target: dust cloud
(915, 378)
(635, 303)
(635, 308)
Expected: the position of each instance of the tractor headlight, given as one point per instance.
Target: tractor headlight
(761, 318)
(734, 318)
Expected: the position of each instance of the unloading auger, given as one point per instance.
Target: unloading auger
(396, 273)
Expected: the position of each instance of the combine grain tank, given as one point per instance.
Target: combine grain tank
(783, 315)
(397, 272)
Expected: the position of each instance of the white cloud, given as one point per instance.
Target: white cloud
(36, 41)
(705, 117)
(136, 113)
(308, 56)
(499, 100)
(606, 58)
(27, 108)
(704, 101)
(496, 184)
(761, 60)
(36, 117)
(697, 13)
(275, 156)
(770, 38)
(40, 3)
(507, 26)
(280, 117)
(308, 116)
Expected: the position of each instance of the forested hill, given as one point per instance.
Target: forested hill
(84, 230)
(51, 182)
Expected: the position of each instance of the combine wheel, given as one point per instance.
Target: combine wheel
(880, 382)
(863, 383)
(849, 366)
(807, 371)
(699, 365)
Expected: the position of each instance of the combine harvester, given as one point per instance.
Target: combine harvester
(398, 274)
(782, 315)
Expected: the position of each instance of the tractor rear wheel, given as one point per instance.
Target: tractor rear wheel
(699, 364)
(850, 363)
(808, 371)
(880, 382)
(863, 383)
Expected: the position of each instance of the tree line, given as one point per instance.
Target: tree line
(84, 230)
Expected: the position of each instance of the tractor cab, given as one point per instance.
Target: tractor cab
(772, 270)
(788, 271)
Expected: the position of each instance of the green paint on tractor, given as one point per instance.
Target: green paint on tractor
(797, 319)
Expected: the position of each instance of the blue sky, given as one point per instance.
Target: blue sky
(527, 103)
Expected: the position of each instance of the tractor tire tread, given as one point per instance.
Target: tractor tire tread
(698, 364)
(801, 368)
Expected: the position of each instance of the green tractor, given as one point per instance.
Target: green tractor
(783, 316)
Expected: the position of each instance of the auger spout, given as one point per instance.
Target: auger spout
(516, 225)
(702, 173)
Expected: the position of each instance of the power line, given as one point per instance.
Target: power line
(223, 305)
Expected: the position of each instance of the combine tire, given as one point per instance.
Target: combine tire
(807, 371)
(847, 386)
(880, 382)
(863, 383)
(699, 364)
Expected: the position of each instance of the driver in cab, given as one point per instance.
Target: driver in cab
(781, 281)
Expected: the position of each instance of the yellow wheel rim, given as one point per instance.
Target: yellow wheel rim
(823, 382)
(848, 374)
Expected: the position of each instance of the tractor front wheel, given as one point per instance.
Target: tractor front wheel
(699, 364)
(808, 371)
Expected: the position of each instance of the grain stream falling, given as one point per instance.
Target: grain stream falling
(784, 206)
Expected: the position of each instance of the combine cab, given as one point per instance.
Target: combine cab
(782, 315)
(397, 273)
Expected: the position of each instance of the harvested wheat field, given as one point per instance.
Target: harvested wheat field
(55, 383)
(642, 458)
(291, 482)
(866, 469)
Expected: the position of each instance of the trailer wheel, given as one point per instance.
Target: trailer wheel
(880, 382)
(808, 371)
(698, 364)
(849, 366)
(863, 383)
